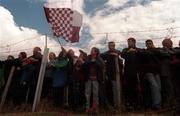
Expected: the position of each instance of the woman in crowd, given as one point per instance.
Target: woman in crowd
(47, 84)
(93, 75)
(60, 77)
(78, 82)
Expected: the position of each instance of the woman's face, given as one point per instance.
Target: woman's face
(52, 56)
(20, 56)
(71, 53)
(149, 45)
(93, 51)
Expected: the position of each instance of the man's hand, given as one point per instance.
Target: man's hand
(114, 54)
(33, 59)
(131, 50)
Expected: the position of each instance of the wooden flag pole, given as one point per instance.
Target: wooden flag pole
(46, 40)
(72, 4)
(59, 42)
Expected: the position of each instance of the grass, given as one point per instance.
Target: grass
(47, 109)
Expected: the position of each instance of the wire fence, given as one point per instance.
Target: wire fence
(168, 32)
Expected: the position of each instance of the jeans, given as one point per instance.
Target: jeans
(155, 85)
(94, 85)
(114, 89)
(58, 96)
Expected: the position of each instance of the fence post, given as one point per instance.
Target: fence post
(40, 79)
(7, 87)
(118, 82)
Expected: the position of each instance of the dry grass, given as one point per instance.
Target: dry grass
(45, 108)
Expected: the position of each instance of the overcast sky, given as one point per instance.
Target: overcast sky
(23, 24)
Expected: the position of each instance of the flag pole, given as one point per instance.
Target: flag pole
(46, 40)
(6, 89)
(72, 4)
(59, 42)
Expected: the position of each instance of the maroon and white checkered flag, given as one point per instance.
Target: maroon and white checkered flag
(64, 22)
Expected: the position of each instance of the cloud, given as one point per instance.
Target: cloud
(116, 3)
(74, 4)
(78, 6)
(113, 16)
(14, 39)
(140, 15)
(125, 16)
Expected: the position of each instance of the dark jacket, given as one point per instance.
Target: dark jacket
(31, 69)
(165, 56)
(110, 63)
(131, 61)
(149, 61)
(7, 64)
(99, 65)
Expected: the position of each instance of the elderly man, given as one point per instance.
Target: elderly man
(109, 59)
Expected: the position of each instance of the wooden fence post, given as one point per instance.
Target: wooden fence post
(118, 86)
(40, 79)
(3, 99)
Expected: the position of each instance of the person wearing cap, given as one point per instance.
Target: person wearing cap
(82, 55)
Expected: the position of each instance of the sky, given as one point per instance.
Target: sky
(23, 24)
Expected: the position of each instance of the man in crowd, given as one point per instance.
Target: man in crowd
(131, 76)
(151, 72)
(166, 53)
(109, 59)
(31, 72)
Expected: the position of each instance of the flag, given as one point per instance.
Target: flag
(64, 22)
